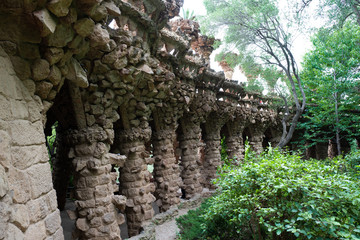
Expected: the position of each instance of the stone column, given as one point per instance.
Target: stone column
(235, 145)
(234, 139)
(190, 158)
(215, 121)
(256, 138)
(135, 178)
(166, 170)
(212, 155)
(97, 215)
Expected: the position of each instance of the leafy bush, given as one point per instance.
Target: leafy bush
(280, 196)
(353, 160)
(190, 224)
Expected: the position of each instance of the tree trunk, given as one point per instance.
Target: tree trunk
(337, 124)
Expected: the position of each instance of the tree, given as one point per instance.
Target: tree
(254, 28)
(336, 11)
(331, 77)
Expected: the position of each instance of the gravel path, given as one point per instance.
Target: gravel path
(168, 230)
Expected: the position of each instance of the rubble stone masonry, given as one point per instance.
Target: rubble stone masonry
(128, 88)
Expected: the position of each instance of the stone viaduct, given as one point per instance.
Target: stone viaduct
(127, 87)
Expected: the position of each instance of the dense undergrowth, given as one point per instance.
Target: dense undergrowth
(277, 195)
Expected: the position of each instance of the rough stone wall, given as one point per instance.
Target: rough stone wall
(28, 208)
(131, 74)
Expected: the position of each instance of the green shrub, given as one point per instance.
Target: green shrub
(353, 161)
(280, 196)
(190, 224)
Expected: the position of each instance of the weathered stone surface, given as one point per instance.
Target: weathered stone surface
(5, 110)
(21, 67)
(20, 216)
(98, 13)
(82, 224)
(55, 75)
(40, 69)
(77, 74)
(62, 36)
(36, 231)
(43, 89)
(19, 184)
(3, 182)
(5, 143)
(111, 8)
(25, 156)
(14, 233)
(25, 133)
(84, 27)
(52, 222)
(99, 37)
(53, 55)
(19, 109)
(47, 23)
(29, 51)
(59, 7)
(38, 182)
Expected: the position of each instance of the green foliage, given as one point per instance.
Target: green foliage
(338, 12)
(190, 224)
(223, 151)
(331, 76)
(353, 161)
(187, 14)
(50, 143)
(278, 195)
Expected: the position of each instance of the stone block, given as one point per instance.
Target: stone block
(13, 233)
(46, 22)
(53, 222)
(22, 70)
(20, 216)
(102, 191)
(30, 86)
(5, 150)
(84, 27)
(38, 209)
(25, 156)
(4, 187)
(58, 235)
(40, 179)
(40, 69)
(36, 231)
(19, 109)
(99, 37)
(82, 224)
(26, 133)
(5, 109)
(77, 74)
(53, 55)
(29, 51)
(51, 200)
(61, 37)
(34, 111)
(43, 89)
(19, 183)
(59, 8)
